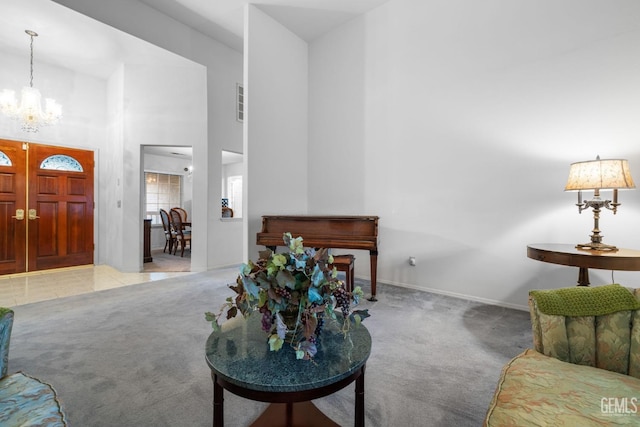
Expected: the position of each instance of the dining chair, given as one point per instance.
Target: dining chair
(183, 213)
(169, 234)
(227, 212)
(182, 237)
(186, 225)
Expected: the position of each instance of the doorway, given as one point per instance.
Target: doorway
(167, 177)
(46, 207)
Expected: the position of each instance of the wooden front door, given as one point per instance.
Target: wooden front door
(13, 196)
(57, 199)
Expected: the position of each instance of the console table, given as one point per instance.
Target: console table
(240, 362)
(566, 254)
(146, 255)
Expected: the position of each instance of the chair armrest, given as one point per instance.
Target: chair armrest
(6, 323)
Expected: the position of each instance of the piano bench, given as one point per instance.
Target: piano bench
(345, 263)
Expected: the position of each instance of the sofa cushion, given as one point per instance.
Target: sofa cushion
(539, 390)
(26, 401)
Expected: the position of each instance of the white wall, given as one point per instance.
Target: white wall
(110, 176)
(163, 106)
(223, 71)
(161, 100)
(276, 119)
(84, 101)
(456, 122)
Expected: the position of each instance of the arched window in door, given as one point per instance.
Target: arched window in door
(61, 162)
(4, 159)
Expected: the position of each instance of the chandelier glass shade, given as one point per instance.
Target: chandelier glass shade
(29, 111)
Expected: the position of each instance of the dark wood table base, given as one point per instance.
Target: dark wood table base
(290, 409)
(298, 414)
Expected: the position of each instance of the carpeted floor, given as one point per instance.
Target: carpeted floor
(134, 356)
(164, 261)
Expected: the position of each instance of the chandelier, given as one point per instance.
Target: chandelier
(30, 112)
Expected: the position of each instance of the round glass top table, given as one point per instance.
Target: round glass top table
(241, 362)
(565, 254)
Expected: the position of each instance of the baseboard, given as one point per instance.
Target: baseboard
(452, 294)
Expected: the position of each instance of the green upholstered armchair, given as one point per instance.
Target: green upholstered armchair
(608, 340)
(585, 364)
(24, 400)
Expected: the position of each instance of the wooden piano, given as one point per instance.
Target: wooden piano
(340, 232)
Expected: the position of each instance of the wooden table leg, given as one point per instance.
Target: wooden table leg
(289, 416)
(373, 259)
(218, 407)
(583, 276)
(359, 409)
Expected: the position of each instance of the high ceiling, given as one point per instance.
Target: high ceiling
(69, 39)
(223, 19)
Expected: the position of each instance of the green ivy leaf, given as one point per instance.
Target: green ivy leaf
(210, 317)
(245, 269)
(281, 328)
(232, 312)
(279, 260)
(317, 276)
(285, 279)
(295, 245)
(359, 315)
(300, 263)
(251, 287)
(314, 295)
(265, 254)
(262, 298)
(275, 342)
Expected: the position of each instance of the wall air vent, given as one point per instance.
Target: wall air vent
(239, 102)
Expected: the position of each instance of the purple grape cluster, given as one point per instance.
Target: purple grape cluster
(283, 292)
(267, 318)
(319, 316)
(319, 325)
(342, 298)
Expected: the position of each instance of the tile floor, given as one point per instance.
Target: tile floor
(25, 288)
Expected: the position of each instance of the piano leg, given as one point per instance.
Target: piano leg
(374, 273)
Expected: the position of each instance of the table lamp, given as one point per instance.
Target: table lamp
(596, 175)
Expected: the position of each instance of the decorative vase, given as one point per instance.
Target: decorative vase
(290, 318)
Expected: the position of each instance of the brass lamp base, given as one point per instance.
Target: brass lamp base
(596, 246)
(596, 238)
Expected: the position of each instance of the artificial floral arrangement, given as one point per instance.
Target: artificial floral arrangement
(295, 293)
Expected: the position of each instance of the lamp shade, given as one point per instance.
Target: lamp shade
(599, 174)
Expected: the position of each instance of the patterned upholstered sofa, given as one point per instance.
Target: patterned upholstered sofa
(24, 400)
(585, 368)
